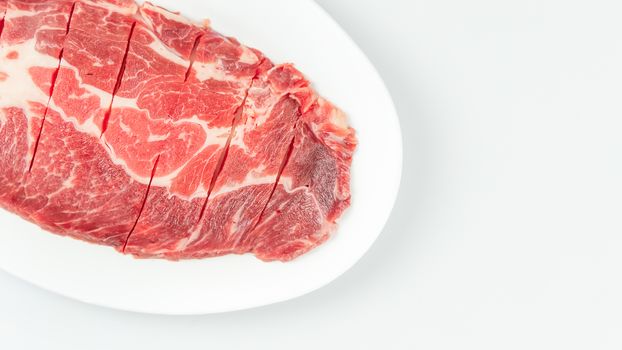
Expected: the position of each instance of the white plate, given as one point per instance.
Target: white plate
(287, 31)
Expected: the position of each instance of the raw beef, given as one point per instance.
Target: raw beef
(31, 44)
(134, 127)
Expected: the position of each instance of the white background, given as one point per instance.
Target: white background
(507, 230)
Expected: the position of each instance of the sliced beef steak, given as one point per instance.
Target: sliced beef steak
(134, 127)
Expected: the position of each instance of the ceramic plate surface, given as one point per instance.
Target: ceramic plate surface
(286, 31)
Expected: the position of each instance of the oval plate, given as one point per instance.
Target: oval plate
(287, 31)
